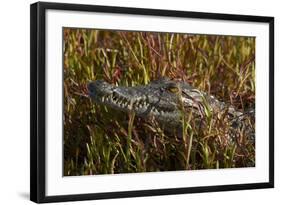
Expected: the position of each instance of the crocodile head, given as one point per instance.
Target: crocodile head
(162, 99)
(166, 101)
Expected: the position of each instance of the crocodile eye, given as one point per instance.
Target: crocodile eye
(173, 89)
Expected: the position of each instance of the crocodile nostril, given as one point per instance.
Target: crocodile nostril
(90, 88)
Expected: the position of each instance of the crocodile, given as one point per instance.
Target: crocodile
(166, 100)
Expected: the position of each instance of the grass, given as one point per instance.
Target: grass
(100, 140)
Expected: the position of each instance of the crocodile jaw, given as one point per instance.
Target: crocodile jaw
(132, 99)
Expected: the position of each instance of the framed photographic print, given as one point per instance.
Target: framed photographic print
(129, 102)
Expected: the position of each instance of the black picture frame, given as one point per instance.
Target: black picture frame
(38, 101)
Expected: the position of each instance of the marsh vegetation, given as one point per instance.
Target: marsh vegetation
(101, 140)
